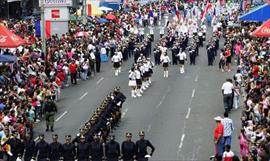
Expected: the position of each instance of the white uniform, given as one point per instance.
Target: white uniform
(116, 63)
(165, 61)
(182, 57)
(132, 83)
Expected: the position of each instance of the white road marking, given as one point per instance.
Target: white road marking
(85, 94)
(181, 142)
(196, 78)
(124, 113)
(193, 93)
(100, 80)
(163, 97)
(161, 101)
(149, 128)
(63, 114)
(188, 113)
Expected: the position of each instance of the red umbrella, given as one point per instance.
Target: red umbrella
(9, 39)
(263, 30)
(110, 17)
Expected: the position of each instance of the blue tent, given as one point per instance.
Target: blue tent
(7, 59)
(260, 14)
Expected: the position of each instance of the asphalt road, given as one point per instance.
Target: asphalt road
(176, 112)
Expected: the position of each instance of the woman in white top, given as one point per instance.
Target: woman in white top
(138, 81)
(182, 57)
(116, 63)
(165, 60)
(132, 82)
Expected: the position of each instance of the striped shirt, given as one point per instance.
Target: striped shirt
(228, 126)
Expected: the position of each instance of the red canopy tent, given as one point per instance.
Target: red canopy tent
(8, 39)
(263, 30)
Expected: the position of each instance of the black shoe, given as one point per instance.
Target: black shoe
(52, 130)
(47, 130)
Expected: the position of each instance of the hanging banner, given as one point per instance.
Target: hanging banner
(57, 3)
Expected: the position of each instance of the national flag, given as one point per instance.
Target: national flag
(205, 11)
(244, 5)
(177, 12)
(38, 28)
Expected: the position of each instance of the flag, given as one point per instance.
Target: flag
(243, 5)
(151, 14)
(205, 11)
(177, 12)
(38, 27)
(48, 29)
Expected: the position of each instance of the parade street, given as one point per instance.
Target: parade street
(176, 113)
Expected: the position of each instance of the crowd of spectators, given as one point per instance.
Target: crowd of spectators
(253, 81)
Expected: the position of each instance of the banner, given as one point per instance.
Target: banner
(57, 3)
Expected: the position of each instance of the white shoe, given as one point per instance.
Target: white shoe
(139, 95)
(149, 81)
(141, 90)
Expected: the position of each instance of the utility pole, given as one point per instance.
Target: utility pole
(43, 39)
(84, 11)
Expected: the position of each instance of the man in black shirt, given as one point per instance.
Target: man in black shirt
(141, 148)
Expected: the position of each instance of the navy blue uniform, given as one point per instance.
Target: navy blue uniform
(112, 151)
(128, 150)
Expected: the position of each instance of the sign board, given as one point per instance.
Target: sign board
(56, 3)
(56, 14)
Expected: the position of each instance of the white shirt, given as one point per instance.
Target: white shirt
(165, 59)
(116, 59)
(137, 74)
(228, 126)
(227, 88)
(238, 77)
(132, 75)
(6, 120)
(92, 55)
(182, 55)
(228, 155)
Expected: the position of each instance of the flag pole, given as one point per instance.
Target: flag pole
(43, 39)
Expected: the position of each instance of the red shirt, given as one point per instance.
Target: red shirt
(73, 68)
(61, 75)
(219, 131)
(255, 71)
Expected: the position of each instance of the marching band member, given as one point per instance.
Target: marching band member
(116, 59)
(132, 82)
(165, 60)
(182, 57)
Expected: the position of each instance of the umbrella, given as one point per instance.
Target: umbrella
(106, 9)
(9, 39)
(263, 30)
(82, 34)
(110, 17)
(102, 20)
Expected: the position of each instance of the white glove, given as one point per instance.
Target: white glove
(19, 159)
